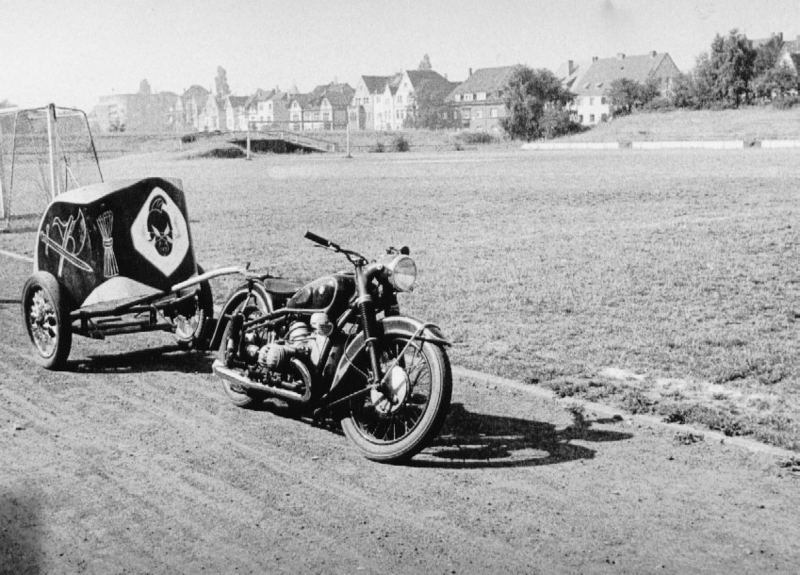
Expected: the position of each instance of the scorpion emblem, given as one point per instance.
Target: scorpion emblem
(159, 227)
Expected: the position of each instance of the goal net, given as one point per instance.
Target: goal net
(43, 152)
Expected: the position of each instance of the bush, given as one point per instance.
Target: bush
(476, 138)
(659, 104)
(188, 138)
(400, 144)
(786, 102)
(378, 148)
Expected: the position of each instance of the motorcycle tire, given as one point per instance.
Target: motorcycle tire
(258, 301)
(395, 436)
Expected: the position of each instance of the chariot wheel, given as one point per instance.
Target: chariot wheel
(194, 322)
(46, 316)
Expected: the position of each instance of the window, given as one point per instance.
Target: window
(604, 118)
(468, 97)
(493, 113)
(465, 113)
(480, 96)
(591, 118)
(478, 113)
(591, 101)
(603, 100)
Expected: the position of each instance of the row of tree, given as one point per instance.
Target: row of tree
(731, 74)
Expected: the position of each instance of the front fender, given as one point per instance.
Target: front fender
(390, 326)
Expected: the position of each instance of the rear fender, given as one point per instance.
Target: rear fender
(235, 299)
(390, 326)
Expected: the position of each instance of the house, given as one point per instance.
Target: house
(142, 112)
(325, 108)
(268, 109)
(256, 109)
(235, 113)
(592, 105)
(300, 111)
(212, 117)
(372, 104)
(193, 101)
(418, 92)
(790, 55)
(389, 102)
(478, 100)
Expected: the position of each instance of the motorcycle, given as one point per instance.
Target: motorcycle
(339, 348)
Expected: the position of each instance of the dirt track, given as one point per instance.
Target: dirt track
(132, 461)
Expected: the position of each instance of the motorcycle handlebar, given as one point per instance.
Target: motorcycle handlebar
(320, 240)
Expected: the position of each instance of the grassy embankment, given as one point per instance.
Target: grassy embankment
(665, 282)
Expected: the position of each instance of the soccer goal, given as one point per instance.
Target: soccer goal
(43, 152)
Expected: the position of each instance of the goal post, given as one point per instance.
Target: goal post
(43, 152)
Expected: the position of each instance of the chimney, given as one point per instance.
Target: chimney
(653, 53)
(470, 73)
(594, 58)
(621, 55)
(570, 67)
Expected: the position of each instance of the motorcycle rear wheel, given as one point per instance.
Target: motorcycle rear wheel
(256, 303)
(393, 433)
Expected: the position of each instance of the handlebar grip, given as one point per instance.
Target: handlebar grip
(317, 239)
(322, 241)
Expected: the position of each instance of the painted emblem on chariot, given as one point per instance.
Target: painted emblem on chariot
(67, 239)
(105, 223)
(159, 232)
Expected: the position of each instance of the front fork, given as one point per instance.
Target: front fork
(369, 323)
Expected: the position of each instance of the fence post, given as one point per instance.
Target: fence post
(248, 141)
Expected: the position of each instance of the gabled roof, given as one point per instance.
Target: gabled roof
(238, 101)
(604, 71)
(259, 96)
(570, 72)
(488, 80)
(376, 84)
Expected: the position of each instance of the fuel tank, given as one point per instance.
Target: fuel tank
(329, 294)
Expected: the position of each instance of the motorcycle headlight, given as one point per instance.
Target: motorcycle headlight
(402, 273)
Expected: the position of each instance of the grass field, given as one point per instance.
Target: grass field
(664, 282)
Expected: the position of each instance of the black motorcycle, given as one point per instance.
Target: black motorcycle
(338, 348)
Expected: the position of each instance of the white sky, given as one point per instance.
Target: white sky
(72, 51)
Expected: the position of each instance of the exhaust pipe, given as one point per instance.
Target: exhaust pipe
(221, 370)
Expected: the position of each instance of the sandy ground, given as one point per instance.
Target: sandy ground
(133, 462)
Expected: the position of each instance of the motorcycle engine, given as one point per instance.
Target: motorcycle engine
(301, 341)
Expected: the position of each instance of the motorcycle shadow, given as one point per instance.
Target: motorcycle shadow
(476, 440)
(162, 358)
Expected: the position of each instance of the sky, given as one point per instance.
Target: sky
(71, 52)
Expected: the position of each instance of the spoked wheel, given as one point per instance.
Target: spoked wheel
(195, 318)
(395, 423)
(252, 305)
(46, 317)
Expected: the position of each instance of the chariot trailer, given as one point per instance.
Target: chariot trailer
(110, 258)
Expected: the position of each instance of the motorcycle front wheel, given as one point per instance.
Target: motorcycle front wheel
(395, 424)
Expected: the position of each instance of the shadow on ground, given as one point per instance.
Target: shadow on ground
(162, 358)
(20, 534)
(476, 440)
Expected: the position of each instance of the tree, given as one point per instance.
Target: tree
(776, 82)
(723, 75)
(628, 95)
(767, 55)
(425, 64)
(221, 81)
(6, 104)
(535, 100)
